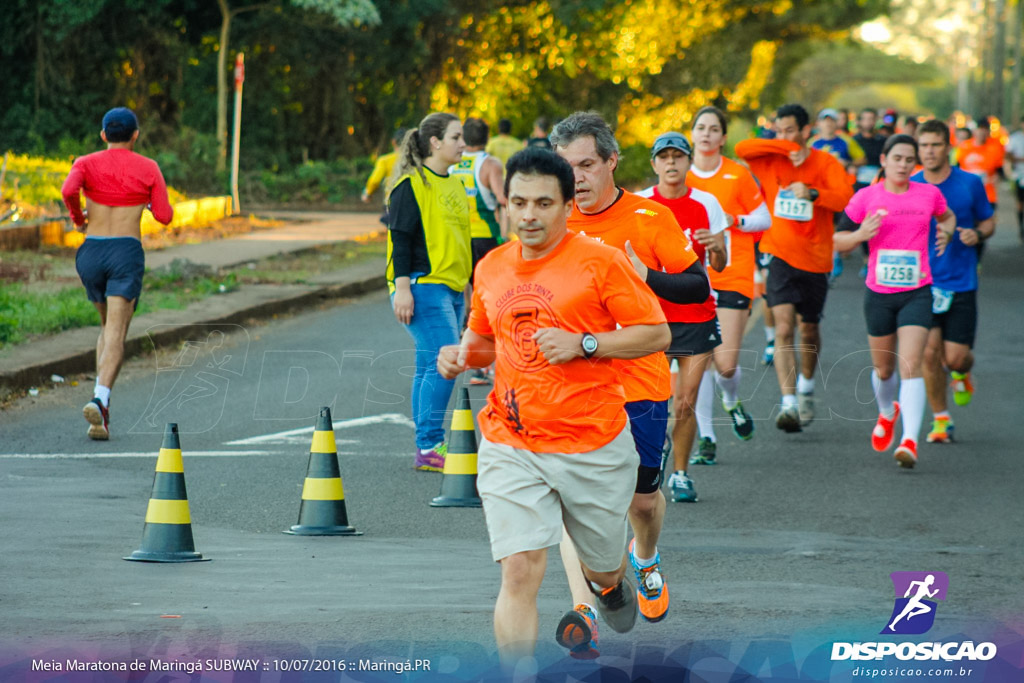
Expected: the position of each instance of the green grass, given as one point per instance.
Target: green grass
(48, 304)
(29, 312)
(26, 313)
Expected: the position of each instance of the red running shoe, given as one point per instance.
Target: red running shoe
(906, 454)
(884, 432)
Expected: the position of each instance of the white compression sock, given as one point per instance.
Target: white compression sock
(769, 334)
(705, 407)
(912, 400)
(885, 393)
(730, 387)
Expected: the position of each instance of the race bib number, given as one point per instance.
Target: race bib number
(788, 206)
(942, 299)
(898, 268)
(866, 174)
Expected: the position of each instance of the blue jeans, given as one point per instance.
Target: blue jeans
(436, 322)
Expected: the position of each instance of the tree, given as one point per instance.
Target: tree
(342, 12)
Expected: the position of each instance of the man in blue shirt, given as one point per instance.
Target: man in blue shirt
(954, 277)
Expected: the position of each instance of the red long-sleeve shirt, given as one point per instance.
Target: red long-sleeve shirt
(117, 177)
(803, 245)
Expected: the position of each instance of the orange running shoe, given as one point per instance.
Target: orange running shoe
(578, 631)
(884, 432)
(906, 454)
(651, 591)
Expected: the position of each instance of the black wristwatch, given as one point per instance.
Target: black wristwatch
(814, 194)
(589, 344)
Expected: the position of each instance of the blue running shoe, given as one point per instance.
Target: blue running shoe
(651, 591)
(681, 487)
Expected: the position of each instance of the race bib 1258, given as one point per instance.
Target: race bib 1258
(898, 268)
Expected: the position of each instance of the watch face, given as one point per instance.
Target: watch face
(589, 343)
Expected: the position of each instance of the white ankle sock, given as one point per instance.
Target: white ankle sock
(705, 407)
(789, 400)
(912, 400)
(103, 394)
(804, 385)
(769, 334)
(885, 393)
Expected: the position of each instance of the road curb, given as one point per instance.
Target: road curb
(18, 379)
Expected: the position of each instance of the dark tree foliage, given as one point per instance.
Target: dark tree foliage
(316, 89)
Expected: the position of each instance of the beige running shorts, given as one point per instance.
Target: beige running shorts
(527, 496)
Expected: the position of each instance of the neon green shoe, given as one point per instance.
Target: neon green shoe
(963, 390)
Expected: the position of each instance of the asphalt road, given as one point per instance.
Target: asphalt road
(792, 542)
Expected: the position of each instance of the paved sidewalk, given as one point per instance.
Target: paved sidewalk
(321, 228)
(74, 351)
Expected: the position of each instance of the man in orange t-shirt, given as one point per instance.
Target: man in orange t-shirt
(804, 187)
(663, 257)
(556, 312)
(982, 155)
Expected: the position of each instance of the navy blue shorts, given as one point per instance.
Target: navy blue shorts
(111, 267)
(648, 421)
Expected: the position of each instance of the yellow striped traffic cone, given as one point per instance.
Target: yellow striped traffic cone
(167, 535)
(458, 487)
(322, 512)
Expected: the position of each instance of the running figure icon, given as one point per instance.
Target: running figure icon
(915, 607)
(916, 595)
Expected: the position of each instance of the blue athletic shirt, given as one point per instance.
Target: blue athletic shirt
(837, 147)
(957, 269)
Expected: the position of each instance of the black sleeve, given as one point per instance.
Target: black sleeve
(846, 223)
(405, 224)
(688, 287)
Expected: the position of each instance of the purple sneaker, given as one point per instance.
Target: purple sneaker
(432, 459)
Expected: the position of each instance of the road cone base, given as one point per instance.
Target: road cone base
(144, 556)
(305, 530)
(449, 502)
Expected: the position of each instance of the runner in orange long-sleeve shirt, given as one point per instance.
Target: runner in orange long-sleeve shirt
(804, 187)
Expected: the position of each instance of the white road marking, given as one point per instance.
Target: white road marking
(146, 454)
(290, 436)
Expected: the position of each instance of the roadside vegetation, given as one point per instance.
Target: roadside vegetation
(40, 293)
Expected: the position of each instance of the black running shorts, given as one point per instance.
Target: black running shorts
(960, 321)
(789, 285)
(884, 313)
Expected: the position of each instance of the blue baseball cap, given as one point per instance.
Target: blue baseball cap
(673, 140)
(120, 122)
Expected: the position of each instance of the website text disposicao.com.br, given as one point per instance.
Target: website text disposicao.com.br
(903, 672)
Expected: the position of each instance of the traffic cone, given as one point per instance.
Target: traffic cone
(458, 487)
(167, 535)
(322, 512)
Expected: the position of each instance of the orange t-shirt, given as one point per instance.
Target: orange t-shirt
(581, 286)
(660, 244)
(983, 161)
(739, 194)
(806, 245)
